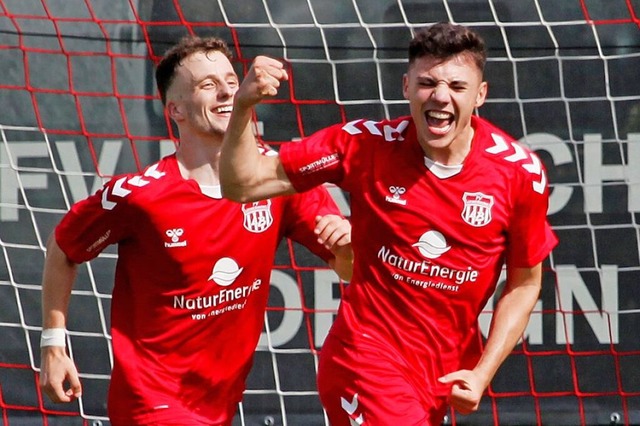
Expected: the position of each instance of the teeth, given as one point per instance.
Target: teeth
(439, 115)
(227, 108)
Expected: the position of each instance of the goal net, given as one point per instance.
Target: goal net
(79, 105)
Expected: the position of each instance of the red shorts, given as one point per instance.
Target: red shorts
(369, 386)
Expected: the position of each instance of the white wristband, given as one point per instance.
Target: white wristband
(53, 337)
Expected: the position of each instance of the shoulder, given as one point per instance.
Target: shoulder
(356, 138)
(126, 188)
(384, 130)
(510, 155)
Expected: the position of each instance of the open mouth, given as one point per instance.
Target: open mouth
(439, 122)
(224, 109)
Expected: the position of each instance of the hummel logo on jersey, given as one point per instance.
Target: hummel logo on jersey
(477, 208)
(528, 160)
(174, 235)
(257, 216)
(396, 193)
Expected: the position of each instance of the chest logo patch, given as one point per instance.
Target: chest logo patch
(225, 272)
(477, 208)
(175, 235)
(396, 195)
(432, 245)
(257, 216)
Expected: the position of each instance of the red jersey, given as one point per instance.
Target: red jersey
(429, 250)
(191, 287)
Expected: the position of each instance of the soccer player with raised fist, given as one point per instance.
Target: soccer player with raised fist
(441, 200)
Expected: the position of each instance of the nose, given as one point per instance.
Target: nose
(441, 92)
(225, 90)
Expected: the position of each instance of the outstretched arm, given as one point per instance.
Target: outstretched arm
(507, 325)
(245, 175)
(57, 369)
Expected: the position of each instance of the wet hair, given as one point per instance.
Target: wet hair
(445, 40)
(166, 69)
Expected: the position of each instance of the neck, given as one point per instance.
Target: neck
(453, 154)
(198, 160)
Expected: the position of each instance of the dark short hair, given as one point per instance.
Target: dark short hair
(445, 40)
(166, 69)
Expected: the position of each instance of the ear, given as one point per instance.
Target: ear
(482, 94)
(174, 110)
(405, 86)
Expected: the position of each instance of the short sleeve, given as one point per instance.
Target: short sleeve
(530, 237)
(91, 225)
(315, 160)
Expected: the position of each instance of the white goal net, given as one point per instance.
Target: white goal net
(79, 105)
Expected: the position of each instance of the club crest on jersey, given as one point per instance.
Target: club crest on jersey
(477, 208)
(257, 216)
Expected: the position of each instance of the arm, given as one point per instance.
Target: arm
(56, 367)
(507, 325)
(334, 233)
(245, 175)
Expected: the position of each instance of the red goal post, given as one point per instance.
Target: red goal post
(80, 105)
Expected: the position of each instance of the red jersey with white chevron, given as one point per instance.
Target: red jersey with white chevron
(191, 286)
(429, 250)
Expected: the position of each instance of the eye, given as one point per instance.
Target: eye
(208, 84)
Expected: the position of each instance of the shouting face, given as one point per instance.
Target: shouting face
(442, 96)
